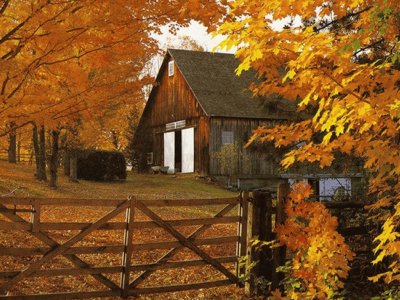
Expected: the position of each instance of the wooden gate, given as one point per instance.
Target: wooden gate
(68, 241)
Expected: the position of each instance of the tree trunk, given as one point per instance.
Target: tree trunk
(66, 162)
(40, 152)
(35, 142)
(19, 148)
(12, 144)
(54, 158)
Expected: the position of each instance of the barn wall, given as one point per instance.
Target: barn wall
(171, 101)
(252, 164)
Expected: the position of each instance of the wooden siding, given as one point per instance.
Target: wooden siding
(171, 101)
(251, 163)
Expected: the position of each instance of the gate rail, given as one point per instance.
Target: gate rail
(13, 210)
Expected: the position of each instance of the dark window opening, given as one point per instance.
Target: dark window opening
(178, 151)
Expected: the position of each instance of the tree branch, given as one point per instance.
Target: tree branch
(7, 131)
(4, 6)
(341, 19)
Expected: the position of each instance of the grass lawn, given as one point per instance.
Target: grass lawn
(142, 186)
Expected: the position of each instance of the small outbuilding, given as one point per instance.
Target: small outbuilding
(198, 105)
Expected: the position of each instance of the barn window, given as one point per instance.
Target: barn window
(171, 68)
(175, 125)
(227, 137)
(331, 188)
(338, 189)
(149, 158)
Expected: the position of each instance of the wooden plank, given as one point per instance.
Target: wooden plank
(180, 264)
(114, 202)
(238, 232)
(117, 225)
(261, 229)
(35, 216)
(191, 202)
(244, 217)
(66, 271)
(174, 244)
(52, 243)
(75, 295)
(15, 210)
(11, 251)
(177, 288)
(61, 248)
(61, 201)
(242, 226)
(186, 242)
(128, 249)
(80, 226)
(283, 192)
(342, 205)
(24, 226)
(189, 222)
(172, 252)
(279, 253)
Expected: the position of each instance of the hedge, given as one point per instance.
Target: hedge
(101, 166)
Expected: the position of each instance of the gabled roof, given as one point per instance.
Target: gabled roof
(212, 78)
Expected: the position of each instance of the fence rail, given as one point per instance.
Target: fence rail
(257, 216)
(15, 212)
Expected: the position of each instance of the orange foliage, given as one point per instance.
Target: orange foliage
(76, 61)
(340, 61)
(320, 255)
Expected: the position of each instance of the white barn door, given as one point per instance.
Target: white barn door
(169, 151)
(188, 150)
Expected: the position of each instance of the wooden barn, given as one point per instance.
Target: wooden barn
(199, 105)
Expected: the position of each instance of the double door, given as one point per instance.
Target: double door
(179, 150)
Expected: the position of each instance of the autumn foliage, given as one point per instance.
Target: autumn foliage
(340, 62)
(320, 256)
(75, 69)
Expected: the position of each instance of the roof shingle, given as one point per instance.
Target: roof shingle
(212, 78)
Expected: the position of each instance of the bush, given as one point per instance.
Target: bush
(101, 166)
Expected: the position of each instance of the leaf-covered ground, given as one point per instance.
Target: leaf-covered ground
(142, 187)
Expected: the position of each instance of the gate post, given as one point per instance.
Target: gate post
(279, 253)
(127, 254)
(260, 228)
(241, 248)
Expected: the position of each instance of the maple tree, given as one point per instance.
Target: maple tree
(340, 60)
(79, 61)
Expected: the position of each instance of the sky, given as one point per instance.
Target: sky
(196, 31)
(199, 33)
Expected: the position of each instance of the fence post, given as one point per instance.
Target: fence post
(279, 253)
(35, 216)
(127, 254)
(241, 250)
(260, 227)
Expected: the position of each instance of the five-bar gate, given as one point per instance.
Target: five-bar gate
(75, 241)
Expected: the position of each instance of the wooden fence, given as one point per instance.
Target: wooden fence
(256, 218)
(266, 211)
(28, 215)
(22, 157)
